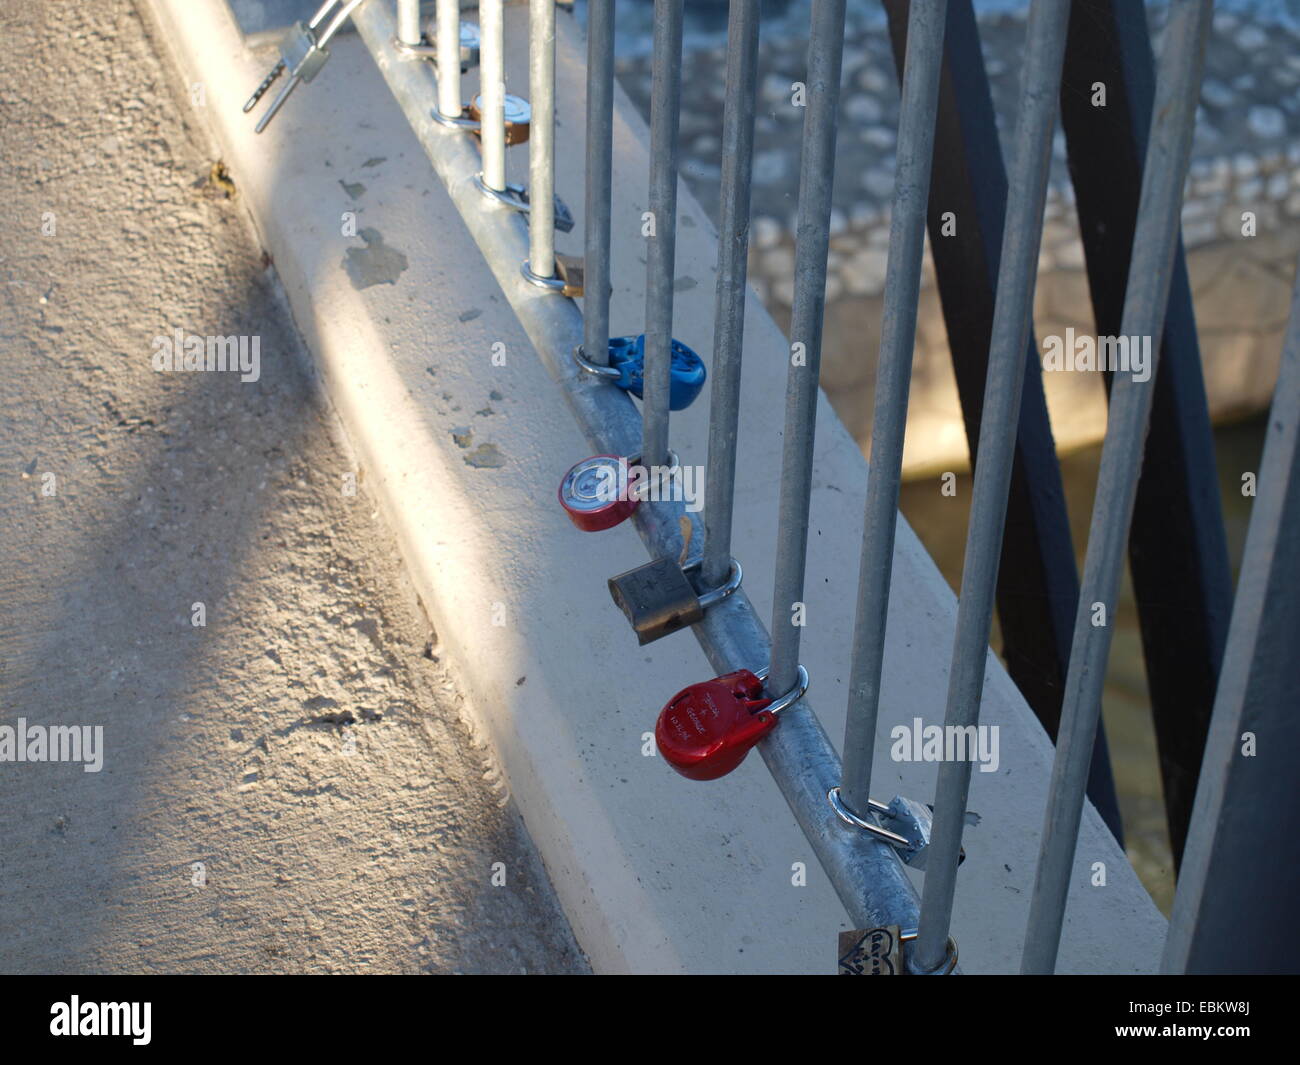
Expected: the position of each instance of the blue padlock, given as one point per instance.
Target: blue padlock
(686, 372)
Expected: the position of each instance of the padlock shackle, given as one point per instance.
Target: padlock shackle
(594, 368)
(850, 818)
(715, 595)
(789, 698)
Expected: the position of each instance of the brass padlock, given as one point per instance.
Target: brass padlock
(872, 952)
(571, 270)
(660, 598)
(518, 115)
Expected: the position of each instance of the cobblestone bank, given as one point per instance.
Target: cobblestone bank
(1246, 158)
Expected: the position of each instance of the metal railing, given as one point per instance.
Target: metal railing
(832, 803)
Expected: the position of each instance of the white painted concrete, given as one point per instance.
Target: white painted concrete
(656, 873)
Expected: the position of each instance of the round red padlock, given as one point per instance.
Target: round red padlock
(595, 493)
(706, 730)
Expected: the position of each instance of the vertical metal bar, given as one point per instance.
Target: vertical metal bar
(1178, 552)
(1012, 322)
(600, 149)
(492, 81)
(897, 336)
(541, 137)
(816, 181)
(661, 256)
(1038, 580)
(1247, 812)
(450, 101)
(729, 306)
(1150, 273)
(408, 21)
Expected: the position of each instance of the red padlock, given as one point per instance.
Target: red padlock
(706, 730)
(595, 493)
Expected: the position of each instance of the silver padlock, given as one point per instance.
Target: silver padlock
(469, 42)
(904, 823)
(660, 598)
(302, 54)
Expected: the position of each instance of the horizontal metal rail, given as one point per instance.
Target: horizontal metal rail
(866, 873)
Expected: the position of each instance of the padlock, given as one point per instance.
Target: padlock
(562, 215)
(872, 952)
(469, 42)
(567, 279)
(660, 597)
(706, 730)
(516, 198)
(906, 825)
(572, 272)
(594, 493)
(686, 373)
(302, 54)
(518, 115)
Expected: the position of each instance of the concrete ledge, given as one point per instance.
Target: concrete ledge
(655, 873)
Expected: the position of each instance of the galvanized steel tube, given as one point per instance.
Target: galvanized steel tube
(921, 69)
(1178, 81)
(450, 101)
(541, 139)
(729, 305)
(661, 252)
(1012, 320)
(812, 239)
(492, 89)
(408, 21)
(600, 152)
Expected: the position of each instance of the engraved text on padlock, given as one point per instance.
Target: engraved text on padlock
(706, 730)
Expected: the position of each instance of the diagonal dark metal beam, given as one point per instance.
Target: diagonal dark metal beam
(1038, 582)
(1178, 551)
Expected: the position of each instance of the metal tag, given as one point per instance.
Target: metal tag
(657, 598)
(871, 952)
